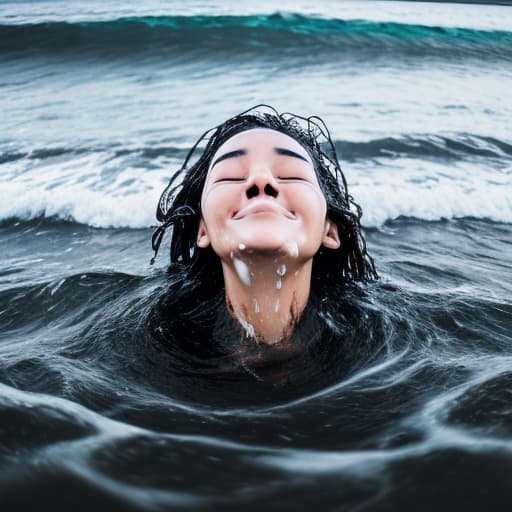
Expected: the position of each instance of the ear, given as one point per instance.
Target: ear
(203, 240)
(331, 238)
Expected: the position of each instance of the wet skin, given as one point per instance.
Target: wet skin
(264, 215)
(262, 194)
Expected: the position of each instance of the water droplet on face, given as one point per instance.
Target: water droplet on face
(292, 248)
(249, 328)
(241, 247)
(256, 306)
(276, 307)
(279, 284)
(281, 270)
(242, 270)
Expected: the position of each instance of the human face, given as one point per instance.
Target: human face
(262, 195)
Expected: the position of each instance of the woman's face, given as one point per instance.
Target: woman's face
(262, 195)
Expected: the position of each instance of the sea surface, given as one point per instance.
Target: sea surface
(99, 102)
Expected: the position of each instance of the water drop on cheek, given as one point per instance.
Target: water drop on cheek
(256, 306)
(281, 270)
(276, 306)
(279, 284)
(241, 247)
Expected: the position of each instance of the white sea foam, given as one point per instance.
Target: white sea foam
(447, 201)
(430, 191)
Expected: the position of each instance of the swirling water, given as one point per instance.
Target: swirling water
(411, 409)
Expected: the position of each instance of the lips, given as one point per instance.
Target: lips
(262, 206)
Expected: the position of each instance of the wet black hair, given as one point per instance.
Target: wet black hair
(179, 206)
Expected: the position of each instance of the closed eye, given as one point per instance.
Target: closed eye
(291, 178)
(229, 179)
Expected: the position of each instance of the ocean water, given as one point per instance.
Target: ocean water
(99, 103)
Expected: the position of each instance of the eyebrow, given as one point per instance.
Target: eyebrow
(230, 154)
(289, 152)
(243, 152)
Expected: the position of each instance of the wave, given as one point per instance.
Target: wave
(149, 152)
(457, 175)
(255, 34)
(453, 147)
(448, 199)
(456, 147)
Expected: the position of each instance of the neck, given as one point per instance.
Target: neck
(267, 296)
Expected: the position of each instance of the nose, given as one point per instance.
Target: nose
(262, 184)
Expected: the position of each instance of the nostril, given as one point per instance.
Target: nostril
(270, 191)
(252, 192)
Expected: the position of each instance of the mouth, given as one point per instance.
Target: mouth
(260, 207)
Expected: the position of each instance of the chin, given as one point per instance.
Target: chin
(266, 245)
(273, 247)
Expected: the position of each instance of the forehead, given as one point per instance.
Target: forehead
(259, 138)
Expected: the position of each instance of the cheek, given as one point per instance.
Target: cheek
(217, 206)
(313, 205)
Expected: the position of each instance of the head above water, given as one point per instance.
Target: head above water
(262, 197)
(280, 161)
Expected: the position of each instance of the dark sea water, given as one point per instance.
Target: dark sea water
(408, 407)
